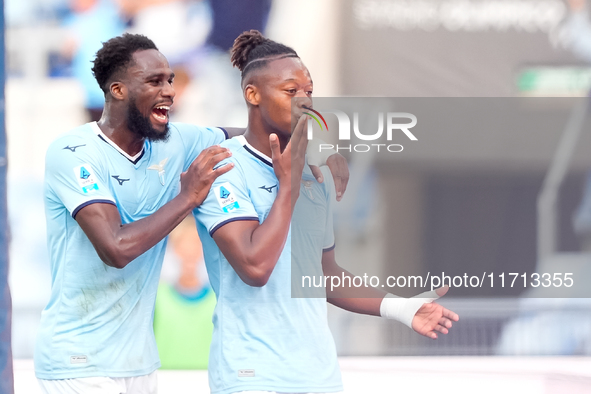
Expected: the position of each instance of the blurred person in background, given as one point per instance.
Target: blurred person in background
(91, 23)
(184, 306)
(214, 95)
(179, 41)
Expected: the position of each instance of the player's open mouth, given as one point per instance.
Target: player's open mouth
(160, 113)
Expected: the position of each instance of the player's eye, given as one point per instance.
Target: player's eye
(291, 91)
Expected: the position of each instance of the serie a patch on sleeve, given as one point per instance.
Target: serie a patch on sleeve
(86, 178)
(226, 197)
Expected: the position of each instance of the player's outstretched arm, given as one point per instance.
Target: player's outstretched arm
(118, 244)
(419, 313)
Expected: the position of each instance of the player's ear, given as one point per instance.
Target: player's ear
(118, 90)
(252, 95)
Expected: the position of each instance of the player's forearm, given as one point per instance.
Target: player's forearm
(131, 240)
(364, 299)
(266, 243)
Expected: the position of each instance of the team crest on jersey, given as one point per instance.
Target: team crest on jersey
(160, 168)
(226, 197)
(86, 178)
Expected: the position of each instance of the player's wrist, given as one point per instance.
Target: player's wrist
(188, 199)
(399, 308)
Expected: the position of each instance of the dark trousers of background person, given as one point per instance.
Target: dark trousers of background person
(6, 374)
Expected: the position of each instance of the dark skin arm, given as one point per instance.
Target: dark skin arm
(364, 300)
(253, 249)
(118, 244)
(431, 317)
(336, 163)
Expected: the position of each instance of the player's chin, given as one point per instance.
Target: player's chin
(159, 121)
(161, 127)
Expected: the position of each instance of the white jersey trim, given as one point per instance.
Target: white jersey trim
(100, 133)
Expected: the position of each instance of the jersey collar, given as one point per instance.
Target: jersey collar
(134, 159)
(256, 153)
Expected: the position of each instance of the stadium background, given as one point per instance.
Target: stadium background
(391, 48)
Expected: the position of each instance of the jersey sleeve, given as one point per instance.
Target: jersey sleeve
(228, 201)
(329, 240)
(196, 139)
(76, 177)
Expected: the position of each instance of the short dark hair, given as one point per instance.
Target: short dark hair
(116, 55)
(252, 50)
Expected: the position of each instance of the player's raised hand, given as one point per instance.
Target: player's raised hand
(291, 161)
(432, 318)
(197, 180)
(339, 168)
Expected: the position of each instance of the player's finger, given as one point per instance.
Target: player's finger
(298, 132)
(274, 144)
(215, 159)
(450, 314)
(344, 173)
(428, 296)
(222, 169)
(442, 291)
(210, 151)
(445, 322)
(441, 329)
(317, 173)
(338, 186)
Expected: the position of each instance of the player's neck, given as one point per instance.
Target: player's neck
(257, 135)
(115, 128)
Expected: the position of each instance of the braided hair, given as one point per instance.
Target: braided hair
(251, 50)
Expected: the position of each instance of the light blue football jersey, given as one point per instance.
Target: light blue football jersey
(263, 338)
(99, 319)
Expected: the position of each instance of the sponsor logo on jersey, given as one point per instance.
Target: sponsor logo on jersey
(268, 188)
(226, 197)
(120, 180)
(86, 178)
(73, 148)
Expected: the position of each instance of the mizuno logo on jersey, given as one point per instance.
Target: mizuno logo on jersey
(268, 188)
(73, 148)
(226, 197)
(120, 180)
(160, 168)
(86, 178)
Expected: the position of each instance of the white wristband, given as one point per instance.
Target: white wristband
(317, 156)
(404, 309)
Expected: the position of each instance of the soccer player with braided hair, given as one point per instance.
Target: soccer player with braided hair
(251, 222)
(112, 194)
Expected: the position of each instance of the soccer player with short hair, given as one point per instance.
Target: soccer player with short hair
(111, 196)
(265, 340)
